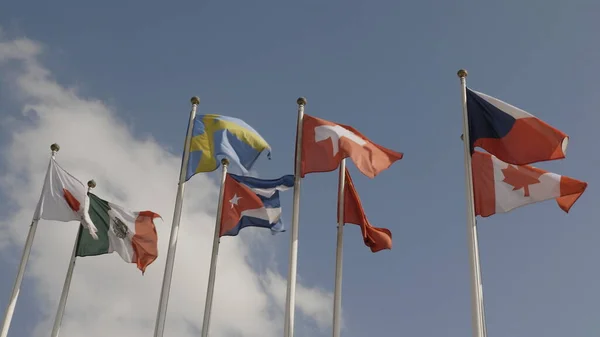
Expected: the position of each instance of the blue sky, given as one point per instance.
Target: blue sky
(388, 68)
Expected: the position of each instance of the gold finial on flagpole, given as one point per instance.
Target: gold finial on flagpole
(54, 147)
(301, 101)
(195, 100)
(225, 161)
(91, 184)
(462, 73)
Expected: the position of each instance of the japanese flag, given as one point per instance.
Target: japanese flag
(64, 198)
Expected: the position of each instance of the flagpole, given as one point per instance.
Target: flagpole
(477, 308)
(339, 253)
(210, 290)
(62, 303)
(161, 315)
(12, 302)
(290, 300)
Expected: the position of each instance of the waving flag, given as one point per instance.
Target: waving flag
(215, 137)
(64, 198)
(499, 187)
(375, 238)
(511, 134)
(130, 233)
(252, 202)
(325, 144)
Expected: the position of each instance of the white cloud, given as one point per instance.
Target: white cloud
(109, 297)
(311, 300)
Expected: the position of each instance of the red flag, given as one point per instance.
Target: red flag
(325, 144)
(499, 187)
(375, 238)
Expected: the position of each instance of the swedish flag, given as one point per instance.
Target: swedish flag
(215, 137)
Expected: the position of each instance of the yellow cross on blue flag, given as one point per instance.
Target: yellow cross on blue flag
(215, 137)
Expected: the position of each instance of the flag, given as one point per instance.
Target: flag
(375, 238)
(252, 202)
(511, 134)
(130, 233)
(499, 187)
(215, 137)
(325, 144)
(64, 198)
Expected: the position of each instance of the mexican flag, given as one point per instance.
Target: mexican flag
(130, 233)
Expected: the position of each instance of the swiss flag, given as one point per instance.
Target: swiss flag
(375, 238)
(325, 144)
(237, 198)
(499, 187)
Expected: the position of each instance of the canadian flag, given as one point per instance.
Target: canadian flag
(64, 198)
(325, 144)
(499, 187)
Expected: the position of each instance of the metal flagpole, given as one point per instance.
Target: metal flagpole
(12, 302)
(159, 328)
(215, 253)
(62, 303)
(339, 253)
(477, 309)
(290, 300)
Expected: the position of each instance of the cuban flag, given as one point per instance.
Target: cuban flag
(511, 134)
(252, 202)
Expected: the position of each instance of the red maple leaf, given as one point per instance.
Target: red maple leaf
(521, 177)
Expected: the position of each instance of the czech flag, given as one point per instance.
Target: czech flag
(511, 134)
